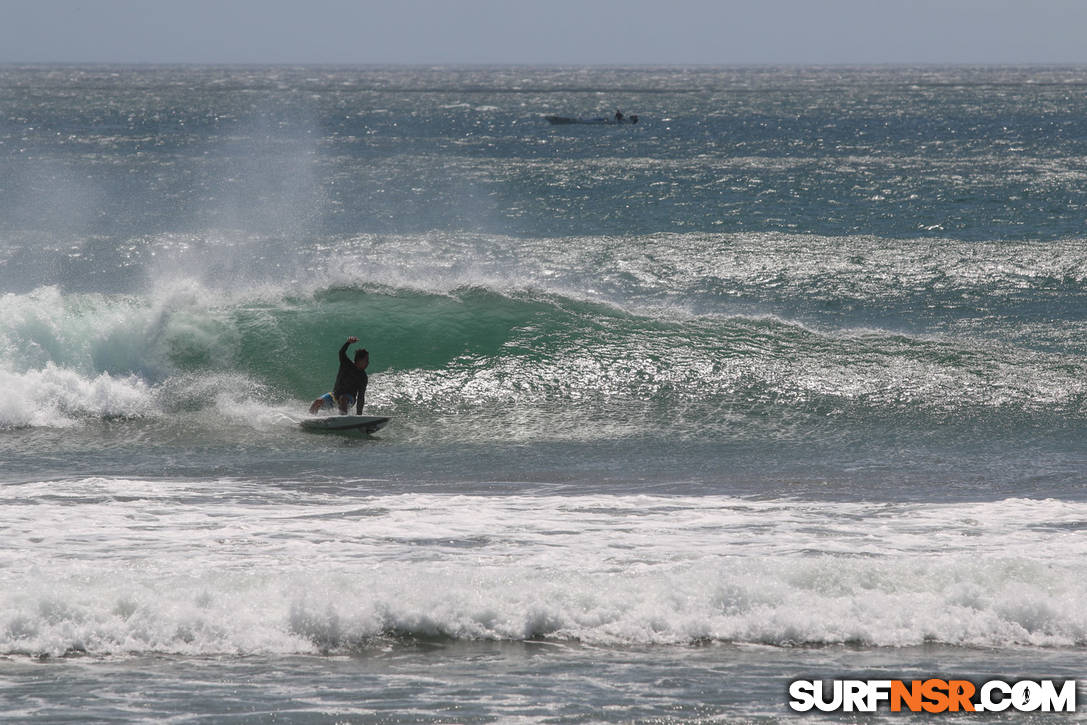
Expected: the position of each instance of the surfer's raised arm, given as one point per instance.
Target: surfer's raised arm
(344, 360)
(351, 382)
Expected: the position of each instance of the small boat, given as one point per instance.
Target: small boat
(601, 121)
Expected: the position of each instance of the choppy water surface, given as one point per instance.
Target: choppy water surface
(785, 380)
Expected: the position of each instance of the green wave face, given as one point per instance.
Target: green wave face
(500, 354)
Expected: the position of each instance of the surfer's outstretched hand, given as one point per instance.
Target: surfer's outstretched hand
(352, 339)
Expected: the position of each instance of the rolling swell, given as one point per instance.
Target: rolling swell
(504, 353)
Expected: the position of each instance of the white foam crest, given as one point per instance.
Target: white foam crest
(71, 354)
(968, 601)
(65, 356)
(204, 572)
(95, 332)
(56, 396)
(46, 325)
(89, 333)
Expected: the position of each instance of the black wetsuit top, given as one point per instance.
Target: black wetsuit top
(350, 380)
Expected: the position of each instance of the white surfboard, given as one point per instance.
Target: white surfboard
(365, 423)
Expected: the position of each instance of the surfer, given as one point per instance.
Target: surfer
(351, 380)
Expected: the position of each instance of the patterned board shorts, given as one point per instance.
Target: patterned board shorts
(329, 401)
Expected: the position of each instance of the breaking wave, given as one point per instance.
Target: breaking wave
(480, 349)
(608, 570)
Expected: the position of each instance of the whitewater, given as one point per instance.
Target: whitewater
(786, 381)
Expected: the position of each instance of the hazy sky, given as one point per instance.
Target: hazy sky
(620, 32)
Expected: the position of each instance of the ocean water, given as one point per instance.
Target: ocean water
(788, 380)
